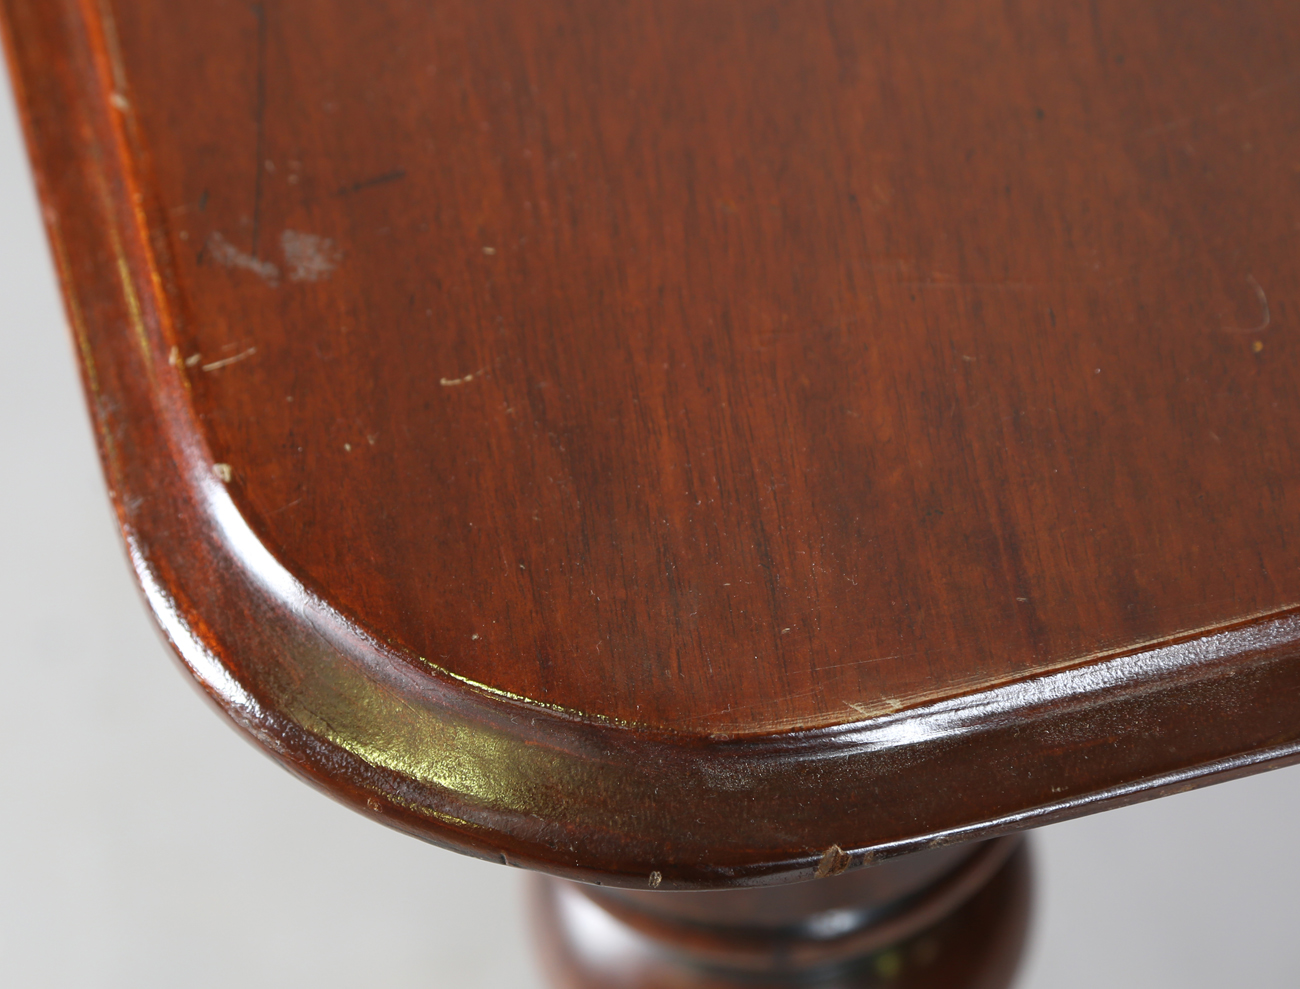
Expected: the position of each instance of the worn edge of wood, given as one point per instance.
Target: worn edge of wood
(504, 779)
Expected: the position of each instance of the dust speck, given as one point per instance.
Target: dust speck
(223, 472)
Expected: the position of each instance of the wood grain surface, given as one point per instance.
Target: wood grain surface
(739, 367)
(678, 438)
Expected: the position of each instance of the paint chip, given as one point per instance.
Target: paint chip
(833, 862)
(656, 878)
(223, 472)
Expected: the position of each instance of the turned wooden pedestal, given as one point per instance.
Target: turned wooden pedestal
(750, 457)
(951, 918)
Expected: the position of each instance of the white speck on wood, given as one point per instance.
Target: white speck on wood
(223, 472)
(453, 382)
(309, 257)
(225, 253)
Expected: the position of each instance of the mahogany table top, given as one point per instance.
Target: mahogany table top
(698, 442)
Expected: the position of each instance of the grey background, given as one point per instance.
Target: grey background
(144, 844)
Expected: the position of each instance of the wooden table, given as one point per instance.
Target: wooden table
(702, 446)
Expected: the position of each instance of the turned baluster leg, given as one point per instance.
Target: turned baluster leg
(949, 918)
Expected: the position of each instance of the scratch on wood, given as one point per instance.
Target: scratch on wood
(1267, 316)
(393, 176)
(226, 362)
(452, 382)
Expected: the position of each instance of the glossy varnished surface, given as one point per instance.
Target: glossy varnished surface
(810, 358)
(964, 931)
(523, 417)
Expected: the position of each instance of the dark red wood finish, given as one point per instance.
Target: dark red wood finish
(676, 439)
(948, 919)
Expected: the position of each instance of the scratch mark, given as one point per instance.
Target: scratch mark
(890, 704)
(1225, 107)
(958, 285)
(860, 662)
(260, 114)
(452, 382)
(225, 253)
(393, 176)
(309, 257)
(1263, 305)
(226, 362)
